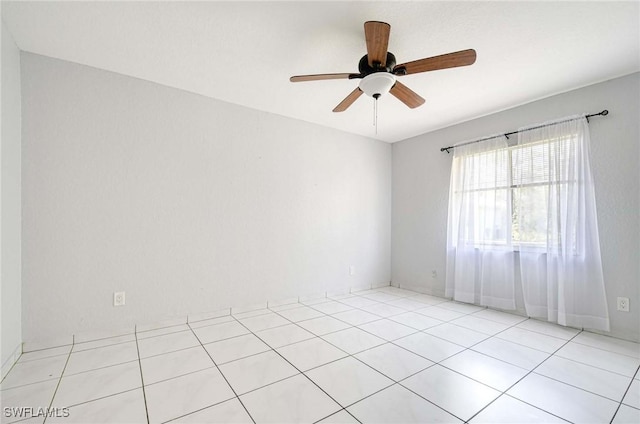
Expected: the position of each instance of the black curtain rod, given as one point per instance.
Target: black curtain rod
(446, 149)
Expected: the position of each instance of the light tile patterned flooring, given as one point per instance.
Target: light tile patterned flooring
(382, 355)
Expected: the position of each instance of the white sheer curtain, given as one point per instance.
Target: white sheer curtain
(480, 258)
(557, 228)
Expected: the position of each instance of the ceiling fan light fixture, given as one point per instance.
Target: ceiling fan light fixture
(376, 84)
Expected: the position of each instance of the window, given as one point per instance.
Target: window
(537, 197)
(506, 181)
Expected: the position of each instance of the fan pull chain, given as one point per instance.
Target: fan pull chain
(375, 111)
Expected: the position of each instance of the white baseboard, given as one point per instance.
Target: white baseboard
(168, 322)
(418, 288)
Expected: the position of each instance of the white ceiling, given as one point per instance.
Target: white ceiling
(244, 53)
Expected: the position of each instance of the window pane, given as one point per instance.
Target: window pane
(487, 170)
(541, 171)
(543, 162)
(489, 217)
(531, 227)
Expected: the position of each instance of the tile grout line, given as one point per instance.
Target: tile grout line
(84, 402)
(173, 420)
(154, 355)
(76, 374)
(523, 401)
(624, 395)
(300, 341)
(604, 350)
(99, 347)
(363, 310)
(450, 356)
(195, 321)
(352, 326)
(60, 379)
(592, 366)
(296, 368)
(394, 382)
(29, 384)
(465, 349)
(522, 345)
(580, 388)
(579, 331)
(391, 342)
(385, 341)
(99, 368)
(13, 365)
(523, 377)
(571, 339)
(546, 322)
(347, 353)
(144, 392)
(337, 412)
(164, 380)
(102, 338)
(222, 374)
(252, 333)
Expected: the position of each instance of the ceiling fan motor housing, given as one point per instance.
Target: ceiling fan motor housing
(377, 80)
(365, 69)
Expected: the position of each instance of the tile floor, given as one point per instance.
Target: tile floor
(383, 355)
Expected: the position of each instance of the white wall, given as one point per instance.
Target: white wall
(421, 184)
(11, 221)
(186, 203)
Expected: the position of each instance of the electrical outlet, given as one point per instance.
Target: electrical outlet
(623, 304)
(118, 299)
(352, 270)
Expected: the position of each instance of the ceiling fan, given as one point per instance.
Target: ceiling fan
(378, 69)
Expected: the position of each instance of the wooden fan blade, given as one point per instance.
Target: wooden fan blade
(377, 37)
(449, 60)
(348, 101)
(318, 77)
(406, 95)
